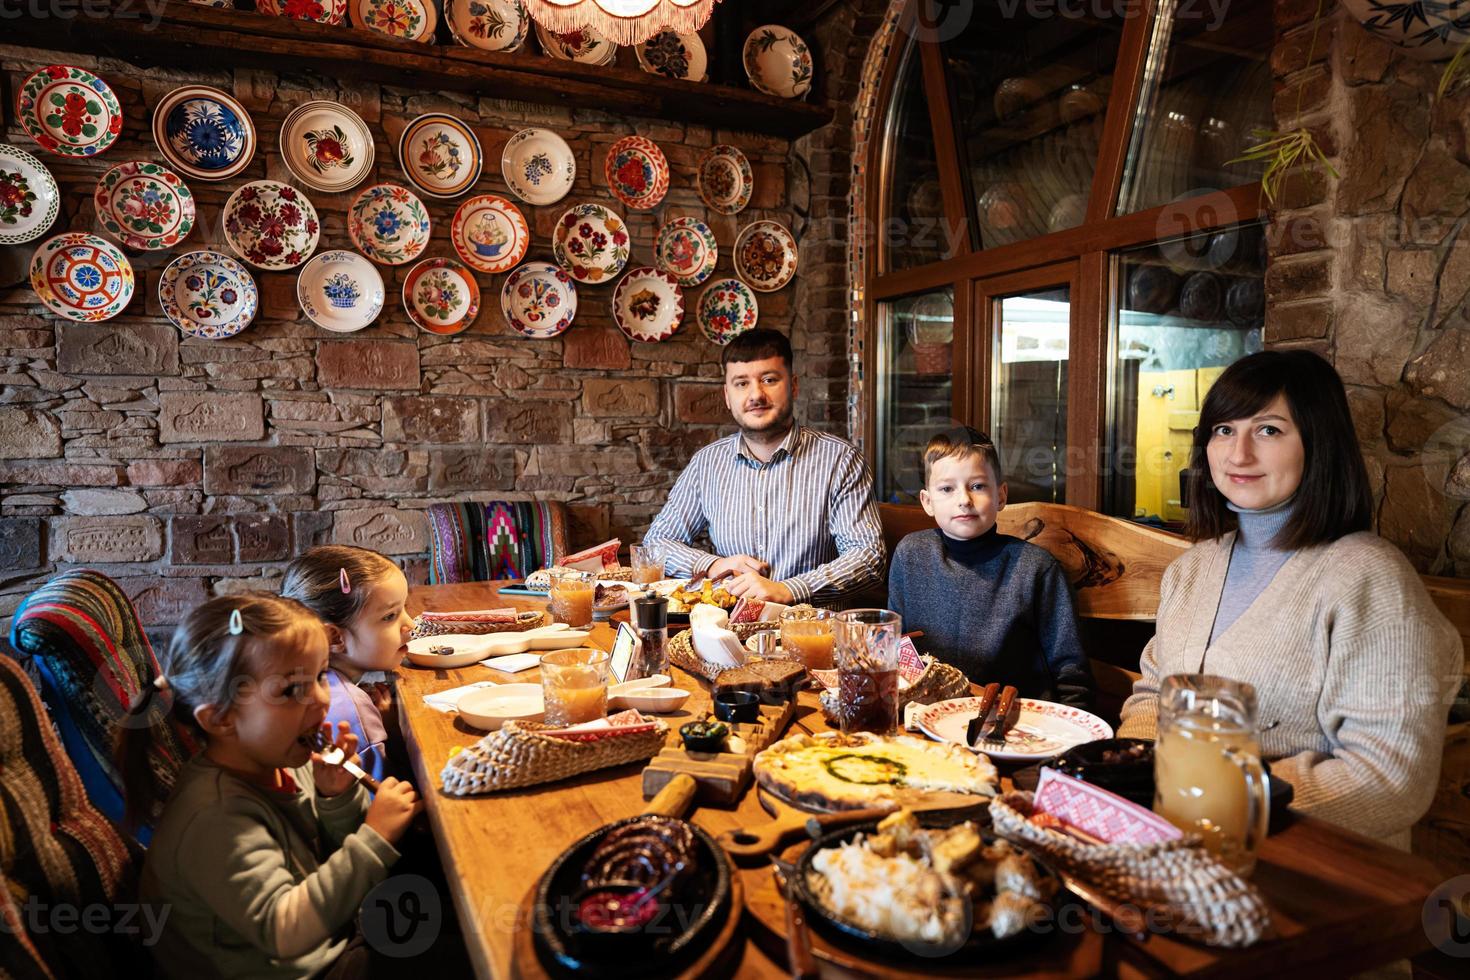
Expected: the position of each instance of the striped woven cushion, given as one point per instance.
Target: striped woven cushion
(83, 629)
(499, 539)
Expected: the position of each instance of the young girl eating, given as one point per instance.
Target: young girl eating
(264, 852)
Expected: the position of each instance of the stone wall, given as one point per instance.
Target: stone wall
(182, 466)
(1372, 268)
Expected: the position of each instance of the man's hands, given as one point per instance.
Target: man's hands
(744, 576)
(736, 565)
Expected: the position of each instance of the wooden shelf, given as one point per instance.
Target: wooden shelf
(195, 36)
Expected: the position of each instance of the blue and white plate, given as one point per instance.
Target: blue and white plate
(208, 295)
(204, 133)
(341, 291)
(538, 166)
(539, 300)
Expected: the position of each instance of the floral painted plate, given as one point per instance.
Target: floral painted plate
(68, 111)
(1044, 729)
(538, 166)
(490, 25)
(489, 233)
(686, 249)
(29, 197)
(727, 308)
(389, 223)
(412, 20)
(440, 155)
(673, 55)
(208, 295)
(144, 205)
(637, 172)
(765, 255)
(204, 133)
(777, 62)
(539, 300)
(271, 225)
(585, 45)
(441, 296)
(648, 304)
(591, 243)
(82, 277)
(321, 11)
(327, 146)
(724, 179)
(341, 291)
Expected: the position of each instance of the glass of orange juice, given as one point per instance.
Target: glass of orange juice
(571, 596)
(808, 638)
(574, 686)
(646, 566)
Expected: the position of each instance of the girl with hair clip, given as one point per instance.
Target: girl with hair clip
(360, 596)
(263, 853)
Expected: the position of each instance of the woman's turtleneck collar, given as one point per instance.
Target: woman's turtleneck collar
(1257, 529)
(973, 549)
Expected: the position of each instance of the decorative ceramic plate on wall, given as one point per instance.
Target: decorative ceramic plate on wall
(727, 308)
(585, 45)
(340, 291)
(538, 166)
(327, 146)
(271, 225)
(591, 243)
(412, 20)
(648, 304)
(321, 11)
(440, 155)
(637, 172)
(686, 249)
(490, 25)
(82, 277)
(441, 296)
(724, 179)
(144, 205)
(389, 223)
(489, 233)
(68, 111)
(777, 61)
(204, 133)
(29, 197)
(765, 255)
(208, 295)
(539, 300)
(673, 55)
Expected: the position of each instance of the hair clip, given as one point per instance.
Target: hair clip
(237, 625)
(160, 683)
(344, 582)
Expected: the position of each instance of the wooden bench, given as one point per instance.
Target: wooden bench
(1116, 567)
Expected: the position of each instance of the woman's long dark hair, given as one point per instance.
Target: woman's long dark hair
(1333, 499)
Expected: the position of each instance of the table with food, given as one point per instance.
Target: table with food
(635, 778)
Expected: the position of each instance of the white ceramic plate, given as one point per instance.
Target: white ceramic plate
(538, 166)
(591, 243)
(441, 296)
(469, 648)
(82, 277)
(327, 146)
(686, 249)
(204, 133)
(490, 25)
(586, 45)
(539, 300)
(777, 61)
(725, 180)
(144, 205)
(648, 305)
(440, 155)
(389, 223)
(208, 295)
(341, 291)
(727, 307)
(671, 55)
(412, 20)
(765, 255)
(489, 233)
(1042, 730)
(29, 197)
(488, 708)
(652, 700)
(271, 225)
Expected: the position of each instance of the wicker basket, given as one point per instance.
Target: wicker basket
(540, 580)
(938, 682)
(518, 755)
(441, 627)
(1177, 883)
(682, 655)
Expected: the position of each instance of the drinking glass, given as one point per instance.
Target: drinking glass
(1208, 777)
(867, 669)
(571, 596)
(646, 566)
(808, 639)
(574, 685)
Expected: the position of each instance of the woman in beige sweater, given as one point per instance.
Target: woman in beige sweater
(1288, 590)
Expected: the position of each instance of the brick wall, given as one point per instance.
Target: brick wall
(182, 467)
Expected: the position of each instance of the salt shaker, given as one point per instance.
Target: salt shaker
(651, 620)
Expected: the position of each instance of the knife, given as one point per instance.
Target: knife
(1002, 715)
(802, 963)
(987, 699)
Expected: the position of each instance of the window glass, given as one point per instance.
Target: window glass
(1029, 408)
(916, 374)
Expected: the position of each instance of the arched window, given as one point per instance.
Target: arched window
(1057, 245)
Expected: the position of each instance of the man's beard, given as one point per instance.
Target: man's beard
(780, 423)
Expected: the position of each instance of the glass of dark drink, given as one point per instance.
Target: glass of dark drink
(867, 669)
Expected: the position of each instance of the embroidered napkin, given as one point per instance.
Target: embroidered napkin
(1092, 809)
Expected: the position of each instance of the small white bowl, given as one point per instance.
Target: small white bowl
(653, 700)
(490, 707)
(627, 687)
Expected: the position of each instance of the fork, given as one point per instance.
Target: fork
(995, 738)
(332, 754)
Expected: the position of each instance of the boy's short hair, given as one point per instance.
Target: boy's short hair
(756, 345)
(962, 441)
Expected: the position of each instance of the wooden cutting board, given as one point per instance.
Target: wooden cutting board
(722, 777)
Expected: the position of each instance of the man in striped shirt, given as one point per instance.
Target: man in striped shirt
(789, 510)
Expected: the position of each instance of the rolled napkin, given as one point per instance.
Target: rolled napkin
(757, 611)
(503, 615)
(447, 701)
(708, 616)
(593, 559)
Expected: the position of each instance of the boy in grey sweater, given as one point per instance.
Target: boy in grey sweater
(997, 607)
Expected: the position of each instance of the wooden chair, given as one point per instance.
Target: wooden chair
(479, 541)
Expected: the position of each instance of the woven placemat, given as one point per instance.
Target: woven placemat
(682, 655)
(442, 627)
(519, 755)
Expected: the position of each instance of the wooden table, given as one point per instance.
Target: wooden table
(1342, 903)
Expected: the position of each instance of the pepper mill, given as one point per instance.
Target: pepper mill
(651, 620)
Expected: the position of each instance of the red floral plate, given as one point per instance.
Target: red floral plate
(69, 111)
(591, 243)
(271, 225)
(144, 205)
(1043, 729)
(441, 296)
(637, 172)
(321, 11)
